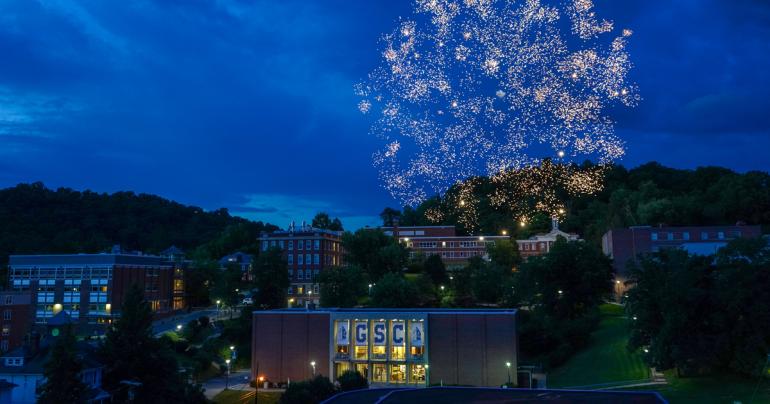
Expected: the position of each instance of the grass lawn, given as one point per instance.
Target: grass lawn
(244, 397)
(728, 389)
(605, 359)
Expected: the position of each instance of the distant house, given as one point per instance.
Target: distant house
(540, 244)
(22, 369)
(243, 260)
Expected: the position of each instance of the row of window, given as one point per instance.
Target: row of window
(447, 244)
(301, 245)
(303, 289)
(384, 373)
(304, 274)
(685, 235)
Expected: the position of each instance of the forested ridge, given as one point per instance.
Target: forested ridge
(36, 219)
(650, 194)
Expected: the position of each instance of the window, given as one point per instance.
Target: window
(316, 244)
(467, 244)
(300, 274)
(316, 259)
(4, 345)
(670, 236)
(686, 235)
(315, 289)
(397, 373)
(704, 236)
(291, 273)
(272, 243)
(300, 258)
(6, 330)
(309, 244)
(300, 244)
(361, 352)
(378, 373)
(418, 374)
(280, 244)
(264, 245)
(315, 272)
(307, 259)
(9, 299)
(721, 235)
(7, 315)
(291, 245)
(654, 236)
(290, 259)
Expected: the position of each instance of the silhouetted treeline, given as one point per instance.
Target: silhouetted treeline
(650, 194)
(35, 219)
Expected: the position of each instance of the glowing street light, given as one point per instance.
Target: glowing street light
(312, 363)
(508, 366)
(227, 375)
(178, 327)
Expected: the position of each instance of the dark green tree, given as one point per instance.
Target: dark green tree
(435, 269)
(130, 353)
(375, 252)
(323, 221)
(504, 254)
(62, 373)
(272, 279)
(352, 380)
(392, 290)
(310, 391)
(389, 216)
(341, 286)
(227, 283)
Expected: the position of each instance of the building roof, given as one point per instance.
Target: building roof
(451, 395)
(35, 363)
(172, 251)
(236, 257)
(57, 260)
(330, 310)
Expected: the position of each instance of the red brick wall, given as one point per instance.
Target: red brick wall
(284, 345)
(471, 349)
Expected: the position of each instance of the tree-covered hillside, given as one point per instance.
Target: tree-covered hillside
(35, 219)
(650, 194)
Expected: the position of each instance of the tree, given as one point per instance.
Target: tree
(435, 269)
(699, 314)
(352, 380)
(341, 286)
(310, 391)
(131, 353)
(390, 216)
(272, 279)
(226, 282)
(62, 373)
(375, 252)
(323, 221)
(392, 290)
(504, 253)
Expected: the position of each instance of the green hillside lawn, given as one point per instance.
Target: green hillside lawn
(605, 359)
(727, 389)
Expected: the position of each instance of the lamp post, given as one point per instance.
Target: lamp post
(312, 363)
(178, 328)
(370, 288)
(427, 375)
(227, 375)
(508, 365)
(218, 302)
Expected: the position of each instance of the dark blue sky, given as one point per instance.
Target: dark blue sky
(249, 105)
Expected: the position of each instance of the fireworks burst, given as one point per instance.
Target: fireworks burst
(486, 87)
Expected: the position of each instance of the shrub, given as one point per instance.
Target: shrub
(352, 380)
(309, 391)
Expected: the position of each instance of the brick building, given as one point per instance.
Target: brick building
(625, 245)
(308, 251)
(16, 319)
(91, 287)
(390, 347)
(540, 244)
(443, 241)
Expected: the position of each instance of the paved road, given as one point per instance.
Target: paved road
(239, 380)
(169, 324)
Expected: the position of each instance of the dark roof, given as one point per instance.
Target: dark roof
(452, 395)
(172, 251)
(236, 257)
(61, 318)
(52, 260)
(326, 310)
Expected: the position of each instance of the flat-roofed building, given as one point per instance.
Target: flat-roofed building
(541, 244)
(307, 251)
(16, 319)
(390, 347)
(443, 241)
(91, 287)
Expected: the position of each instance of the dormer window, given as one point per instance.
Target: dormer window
(14, 361)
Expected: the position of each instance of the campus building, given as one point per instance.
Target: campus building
(443, 241)
(541, 244)
(390, 347)
(90, 287)
(16, 319)
(624, 246)
(308, 251)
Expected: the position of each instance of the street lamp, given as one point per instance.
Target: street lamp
(227, 375)
(178, 327)
(442, 288)
(427, 375)
(370, 288)
(508, 365)
(218, 302)
(312, 363)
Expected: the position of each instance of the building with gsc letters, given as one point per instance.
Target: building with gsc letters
(393, 347)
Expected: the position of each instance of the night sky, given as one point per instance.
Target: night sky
(249, 104)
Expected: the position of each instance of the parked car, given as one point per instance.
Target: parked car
(247, 301)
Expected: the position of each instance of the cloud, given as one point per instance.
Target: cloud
(280, 209)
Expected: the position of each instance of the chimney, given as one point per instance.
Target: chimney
(554, 223)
